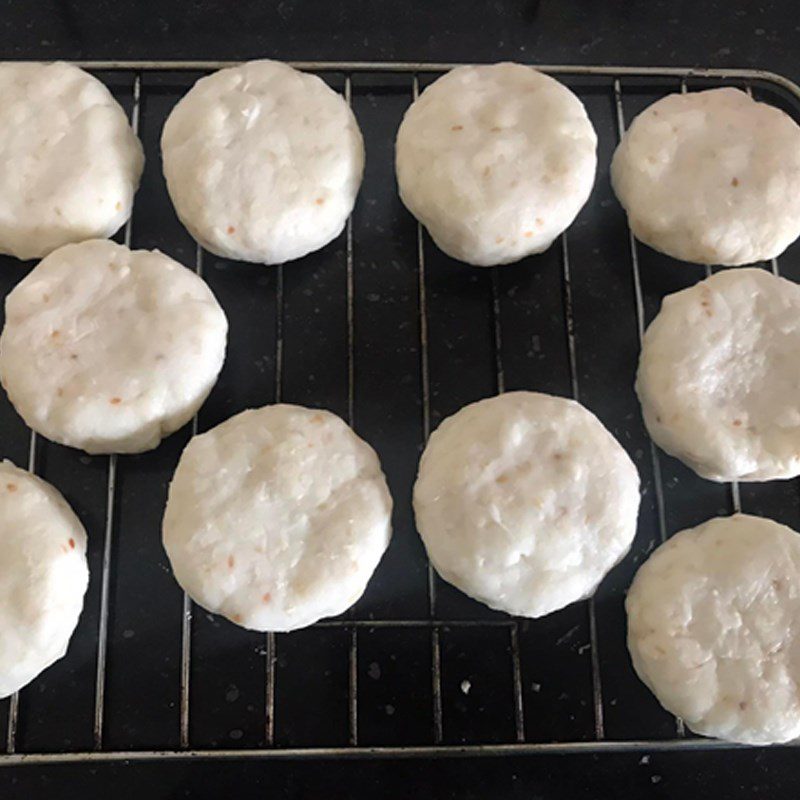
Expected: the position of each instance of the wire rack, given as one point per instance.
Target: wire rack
(384, 329)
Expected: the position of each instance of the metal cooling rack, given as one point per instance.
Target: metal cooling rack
(467, 679)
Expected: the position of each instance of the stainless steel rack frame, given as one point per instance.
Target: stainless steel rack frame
(578, 310)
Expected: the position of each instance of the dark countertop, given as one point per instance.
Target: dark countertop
(680, 32)
(648, 32)
(682, 776)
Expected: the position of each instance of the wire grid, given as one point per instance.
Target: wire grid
(613, 78)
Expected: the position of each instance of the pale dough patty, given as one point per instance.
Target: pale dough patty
(263, 163)
(108, 349)
(713, 624)
(711, 177)
(69, 161)
(43, 576)
(495, 161)
(277, 518)
(719, 374)
(525, 502)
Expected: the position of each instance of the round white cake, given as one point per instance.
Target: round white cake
(711, 177)
(109, 349)
(525, 502)
(263, 163)
(718, 376)
(43, 576)
(495, 161)
(69, 161)
(713, 628)
(277, 517)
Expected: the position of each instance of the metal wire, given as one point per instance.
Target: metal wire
(186, 616)
(13, 704)
(412, 751)
(102, 633)
(500, 379)
(436, 650)
(185, 751)
(597, 685)
(271, 643)
(351, 362)
(655, 460)
(414, 623)
(352, 687)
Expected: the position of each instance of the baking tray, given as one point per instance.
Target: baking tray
(388, 332)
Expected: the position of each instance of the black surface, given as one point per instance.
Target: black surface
(721, 775)
(395, 695)
(710, 32)
(394, 686)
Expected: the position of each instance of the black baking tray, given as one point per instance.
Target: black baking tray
(381, 325)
